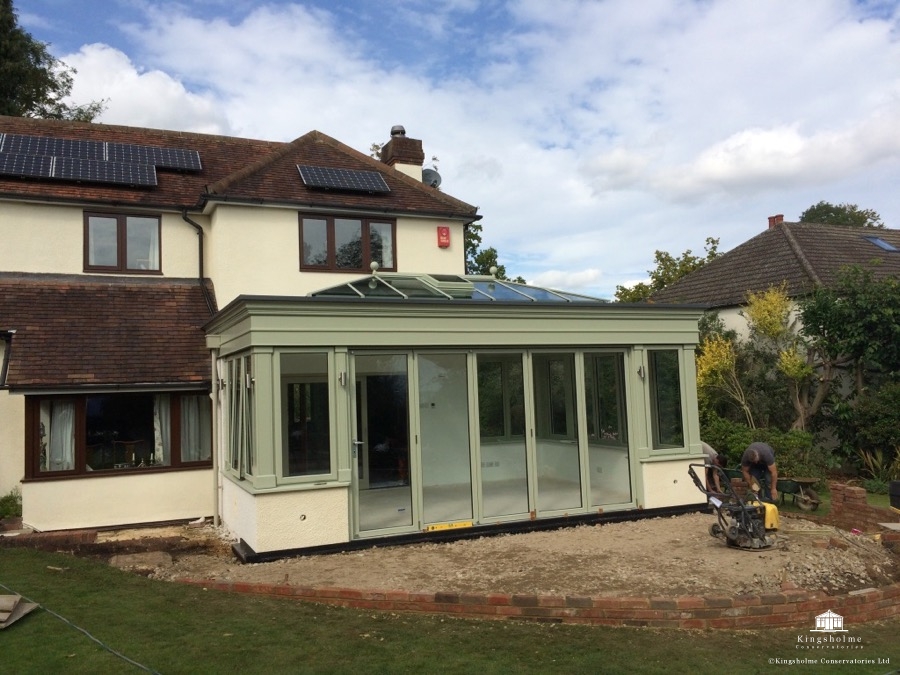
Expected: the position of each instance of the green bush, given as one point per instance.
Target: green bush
(871, 421)
(795, 455)
(875, 486)
(11, 504)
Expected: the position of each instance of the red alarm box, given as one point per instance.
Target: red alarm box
(443, 236)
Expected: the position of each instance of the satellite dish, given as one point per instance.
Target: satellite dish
(431, 177)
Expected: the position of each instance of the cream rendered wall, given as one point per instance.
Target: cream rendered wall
(256, 251)
(12, 441)
(412, 170)
(418, 250)
(667, 483)
(118, 500)
(734, 320)
(285, 520)
(238, 511)
(41, 238)
(50, 239)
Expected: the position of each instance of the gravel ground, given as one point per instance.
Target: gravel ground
(660, 556)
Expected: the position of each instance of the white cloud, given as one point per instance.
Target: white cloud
(144, 99)
(589, 134)
(561, 280)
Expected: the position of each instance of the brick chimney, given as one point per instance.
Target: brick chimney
(404, 154)
(776, 220)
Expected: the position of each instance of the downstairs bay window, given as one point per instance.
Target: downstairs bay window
(79, 435)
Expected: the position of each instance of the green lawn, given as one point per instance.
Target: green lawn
(171, 628)
(882, 501)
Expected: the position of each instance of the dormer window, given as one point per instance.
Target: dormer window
(121, 243)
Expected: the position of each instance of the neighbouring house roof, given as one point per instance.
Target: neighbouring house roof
(800, 255)
(74, 331)
(233, 169)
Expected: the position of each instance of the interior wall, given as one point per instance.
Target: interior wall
(503, 461)
(610, 475)
(444, 419)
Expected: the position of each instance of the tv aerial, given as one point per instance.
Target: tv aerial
(431, 177)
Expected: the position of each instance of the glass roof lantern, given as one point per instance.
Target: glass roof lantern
(448, 287)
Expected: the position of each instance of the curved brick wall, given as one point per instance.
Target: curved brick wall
(789, 608)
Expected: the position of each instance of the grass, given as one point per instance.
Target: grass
(172, 628)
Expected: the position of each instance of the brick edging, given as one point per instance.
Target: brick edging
(788, 608)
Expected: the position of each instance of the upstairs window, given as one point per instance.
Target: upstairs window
(121, 243)
(346, 244)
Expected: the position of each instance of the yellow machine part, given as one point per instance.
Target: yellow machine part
(771, 520)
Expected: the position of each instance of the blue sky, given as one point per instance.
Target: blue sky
(589, 133)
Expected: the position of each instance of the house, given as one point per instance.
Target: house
(802, 256)
(282, 336)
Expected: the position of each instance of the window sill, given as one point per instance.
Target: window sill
(124, 471)
(294, 486)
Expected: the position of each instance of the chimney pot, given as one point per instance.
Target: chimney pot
(776, 220)
(402, 151)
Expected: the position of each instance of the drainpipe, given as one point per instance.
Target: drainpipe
(6, 336)
(214, 383)
(203, 288)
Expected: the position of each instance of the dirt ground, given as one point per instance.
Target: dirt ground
(661, 556)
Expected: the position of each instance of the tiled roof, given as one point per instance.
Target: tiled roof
(75, 331)
(801, 255)
(234, 169)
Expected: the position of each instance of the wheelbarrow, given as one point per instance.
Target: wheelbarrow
(801, 491)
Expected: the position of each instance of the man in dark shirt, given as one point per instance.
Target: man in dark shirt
(758, 466)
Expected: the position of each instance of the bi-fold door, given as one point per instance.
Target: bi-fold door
(458, 438)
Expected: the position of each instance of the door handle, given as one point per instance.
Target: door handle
(356, 444)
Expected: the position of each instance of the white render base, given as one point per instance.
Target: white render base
(12, 435)
(667, 483)
(117, 500)
(286, 520)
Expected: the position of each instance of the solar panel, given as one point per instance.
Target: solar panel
(14, 164)
(90, 161)
(351, 180)
(166, 158)
(53, 147)
(70, 168)
(126, 153)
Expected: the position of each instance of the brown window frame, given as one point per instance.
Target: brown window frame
(80, 470)
(121, 242)
(331, 265)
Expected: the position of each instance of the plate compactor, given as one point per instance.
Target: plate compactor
(742, 522)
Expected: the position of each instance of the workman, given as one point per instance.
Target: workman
(713, 459)
(758, 466)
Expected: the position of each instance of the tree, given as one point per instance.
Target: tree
(669, 269)
(717, 371)
(33, 83)
(857, 322)
(845, 215)
(480, 261)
